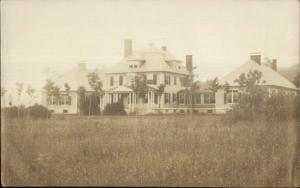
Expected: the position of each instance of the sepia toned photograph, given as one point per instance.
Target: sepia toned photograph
(169, 93)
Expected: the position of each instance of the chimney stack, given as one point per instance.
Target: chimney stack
(164, 48)
(189, 62)
(127, 47)
(274, 64)
(255, 57)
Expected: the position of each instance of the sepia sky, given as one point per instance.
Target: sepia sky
(38, 37)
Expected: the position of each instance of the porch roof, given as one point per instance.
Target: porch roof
(127, 89)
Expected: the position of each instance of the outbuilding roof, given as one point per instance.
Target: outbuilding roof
(75, 78)
(269, 76)
(149, 60)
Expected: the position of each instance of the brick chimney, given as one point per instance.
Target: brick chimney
(256, 57)
(164, 48)
(189, 62)
(127, 47)
(274, 64)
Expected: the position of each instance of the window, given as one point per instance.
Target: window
(69, 100)
(61, 100)
(175, 80)
(121, 80)
(167, 98)
(65, 111)
(197, 98)
(130, 66)
(154, 79)
(174, 97)
(209, 98)
(231, 97)
(135, 66)
(111, 81)
(181, 98)
(167, 79)
(145, 98)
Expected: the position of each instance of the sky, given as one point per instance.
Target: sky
(40, 38)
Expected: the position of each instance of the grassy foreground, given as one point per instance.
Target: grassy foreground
(146, 151)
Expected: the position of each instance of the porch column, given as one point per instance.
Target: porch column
(152, 94)
(162, 100)
(150, 97)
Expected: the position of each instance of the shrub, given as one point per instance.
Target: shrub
(35, 112)
(38, 112)
(114, 109)
(259, 106)
(90, 105)
(14, 112)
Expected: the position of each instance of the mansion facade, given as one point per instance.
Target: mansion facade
(158, 67)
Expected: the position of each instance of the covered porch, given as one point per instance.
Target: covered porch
(141, 103)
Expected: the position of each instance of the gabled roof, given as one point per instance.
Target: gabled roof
(129, 88)
(150, 60)
(269, 76)
(120, 89)
(75, 77)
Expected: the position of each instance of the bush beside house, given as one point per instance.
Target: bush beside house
(114, 109)
(35, 112)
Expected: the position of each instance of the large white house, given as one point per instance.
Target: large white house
(159, 66)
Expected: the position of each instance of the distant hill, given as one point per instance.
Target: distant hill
(289, 72)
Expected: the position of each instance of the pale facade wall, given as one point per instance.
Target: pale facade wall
(71, 109)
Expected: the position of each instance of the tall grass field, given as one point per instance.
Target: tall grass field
(182, 150)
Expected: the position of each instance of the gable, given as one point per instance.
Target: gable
(269, 76)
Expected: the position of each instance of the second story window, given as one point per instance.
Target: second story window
(111, 81)
(121, 80)
(175, 80)
(167, 79)
(154, 79)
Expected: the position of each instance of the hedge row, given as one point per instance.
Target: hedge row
(35, 112)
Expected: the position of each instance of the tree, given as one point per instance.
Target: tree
(67, 88)
(30, 91)
(252, 98)
(214, 84)
(49, 89)
(10, 100)
(251, 81)
(187, 82)
(19, 93)
(3, 92)
(82, 94)
(96, 85)
(139, 84)
(194, 89)
(226, 87)
(56, 94)
(296, 80)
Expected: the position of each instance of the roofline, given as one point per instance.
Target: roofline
(269, 86)
(144, 72)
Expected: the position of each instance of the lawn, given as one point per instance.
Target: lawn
(178, 150)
